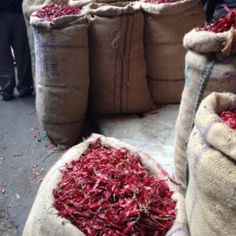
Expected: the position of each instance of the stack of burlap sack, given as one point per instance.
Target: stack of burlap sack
(209, 204)
(127, 64)
(117, 57)
(205, 149)
(208, 69)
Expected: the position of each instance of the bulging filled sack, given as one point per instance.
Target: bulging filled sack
(165, 26)
(206, 71)
(211, 197)
(117, 65)
(30, 6)
(82, 3)
(62, 75)
(44, 220)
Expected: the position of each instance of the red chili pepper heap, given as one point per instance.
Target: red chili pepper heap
(229, 117)
(223, 24)
(162, 1)
(52, 11)
(108, 192)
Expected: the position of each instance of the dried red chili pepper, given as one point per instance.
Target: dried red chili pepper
(162, 1)
(107, 191)
(229, 117)
(223, 24)
(51, 11)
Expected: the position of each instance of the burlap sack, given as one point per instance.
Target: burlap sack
(82, 3)
(204, 73)
(43, 219)
(117, 65)
(165, 26)
(180, 227)
(62, 75)
(210, 42)
(211, 193)
(30, 6)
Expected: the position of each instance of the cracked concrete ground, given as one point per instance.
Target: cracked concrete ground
(26, 154)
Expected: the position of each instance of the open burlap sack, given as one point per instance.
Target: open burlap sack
(43, 219)
(62, 75)
(211, 194)
(117, 65)
(204, 73)
(165, 27)
(209, 42)
(82, 3)
(30, 6)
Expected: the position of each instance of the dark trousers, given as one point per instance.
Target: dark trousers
(209, 7)
(13, 34)
(214, 9)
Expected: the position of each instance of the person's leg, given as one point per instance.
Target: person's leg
(7, 74)
(20, 46)
(209, 8)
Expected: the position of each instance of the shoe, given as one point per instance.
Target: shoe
(7, 85)
(25, 92)
(7, 96)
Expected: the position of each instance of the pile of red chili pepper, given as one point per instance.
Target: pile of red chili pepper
(52, 11)
(162, 1)
(108, 192)
(223, 24)
(229, 117)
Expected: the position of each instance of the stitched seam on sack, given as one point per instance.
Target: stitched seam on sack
(196, 160)
(123, 50)
(128, 64)
(206, 131)
(198, 157)
(204, 80)
(115, 79)
(180, 229)
(203, 84)
(165, 80)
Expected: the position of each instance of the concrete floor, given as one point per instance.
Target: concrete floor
(153, 133)
(25, 157)
(26, 154)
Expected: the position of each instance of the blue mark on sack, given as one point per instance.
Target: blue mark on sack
(188, 69)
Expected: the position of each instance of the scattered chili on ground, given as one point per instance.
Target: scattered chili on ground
(223, 24)
(229, 117)
(162, 1)
(108, 192)
(51, 11)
